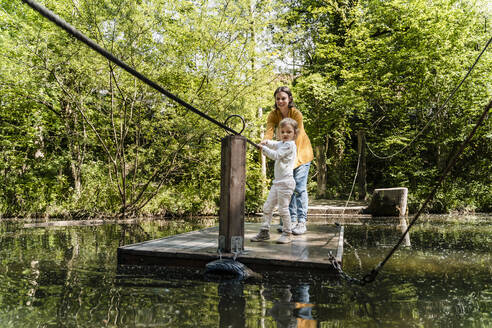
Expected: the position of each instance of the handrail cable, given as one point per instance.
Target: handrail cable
(437, 112)
(370, 277)
(353, 183)
(94, 46)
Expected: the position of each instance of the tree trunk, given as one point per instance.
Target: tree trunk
(321, 176)
(74, 144)
(361, 174)
(262, 157)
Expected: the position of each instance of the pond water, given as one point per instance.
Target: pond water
(67, 276)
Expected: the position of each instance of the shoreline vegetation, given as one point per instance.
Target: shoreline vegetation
(78, 219)
(375, 81)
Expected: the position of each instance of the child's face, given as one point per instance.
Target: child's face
(282, 100)
(287, 133)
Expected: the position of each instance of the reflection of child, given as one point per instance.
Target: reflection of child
(283, 310)
(284, 154)
(292, 308)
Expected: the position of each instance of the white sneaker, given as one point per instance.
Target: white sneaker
(285, 238)
(299, 229)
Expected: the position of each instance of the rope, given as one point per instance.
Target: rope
(435, 115)
(342, 273)
(353, 184)
(370, 277)
(94, 46)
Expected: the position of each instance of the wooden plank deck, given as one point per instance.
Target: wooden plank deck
(308, 252)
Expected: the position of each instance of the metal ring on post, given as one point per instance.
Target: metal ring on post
(236, 115)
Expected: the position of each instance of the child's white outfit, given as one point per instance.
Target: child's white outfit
(284, 154)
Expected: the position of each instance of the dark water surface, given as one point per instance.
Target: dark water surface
(67, 276)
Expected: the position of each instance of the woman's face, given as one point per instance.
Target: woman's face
(282, 100)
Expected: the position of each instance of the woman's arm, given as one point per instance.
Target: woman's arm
(297, 116)
(270, 126)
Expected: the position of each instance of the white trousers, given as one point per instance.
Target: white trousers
(279, 195)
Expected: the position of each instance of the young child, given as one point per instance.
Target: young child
(284, 154)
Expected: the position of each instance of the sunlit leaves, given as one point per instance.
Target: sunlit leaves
(113, 140)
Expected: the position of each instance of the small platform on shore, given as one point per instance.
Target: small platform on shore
(309, 252)
(323, 207)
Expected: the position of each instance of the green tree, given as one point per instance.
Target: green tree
(404, 60)
(117, 145)
(387, 68)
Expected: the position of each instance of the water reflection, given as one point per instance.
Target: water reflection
(232, 304)
(67, 276)
(403, 227)
(33, 281)
(291, 307)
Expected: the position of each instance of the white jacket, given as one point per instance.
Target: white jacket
(284, 155)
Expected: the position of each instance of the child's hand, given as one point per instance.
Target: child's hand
(263, 142)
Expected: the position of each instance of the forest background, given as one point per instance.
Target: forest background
(80, 137)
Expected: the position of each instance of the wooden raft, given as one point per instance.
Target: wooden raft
(307, 253)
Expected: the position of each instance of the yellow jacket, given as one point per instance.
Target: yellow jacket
(304, 148)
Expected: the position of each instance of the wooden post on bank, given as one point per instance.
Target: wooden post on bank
(232, 194)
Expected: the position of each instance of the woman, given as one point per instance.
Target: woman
(284, 107)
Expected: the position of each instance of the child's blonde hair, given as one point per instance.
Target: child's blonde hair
(289, 121)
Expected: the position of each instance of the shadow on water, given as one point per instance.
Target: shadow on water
(67, 276)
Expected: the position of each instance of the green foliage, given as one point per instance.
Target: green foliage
(457, 195)
(109, 143)
(98, 194)
(387, 68)
(80, 135)
(255, 186)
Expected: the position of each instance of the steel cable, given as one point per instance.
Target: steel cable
(437, 112)
(94, 46)
(370, 277)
